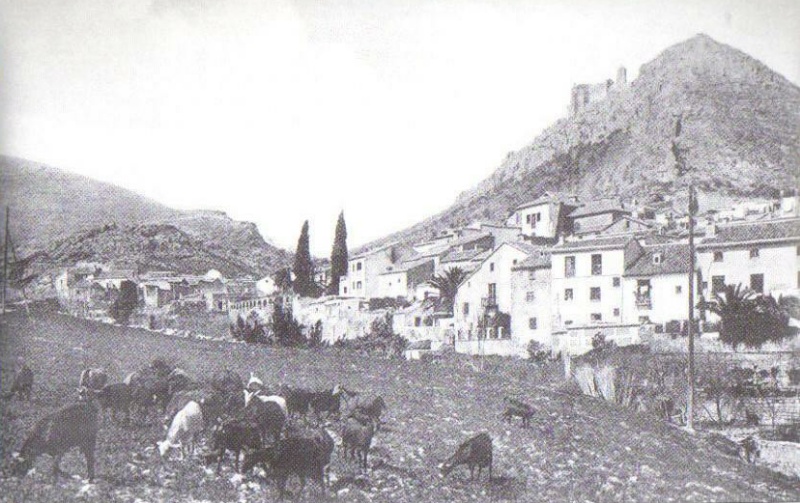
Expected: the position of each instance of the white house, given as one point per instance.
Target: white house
(762, 255)
(482, 306)
(596, 216)
(656, 285)
(402, 280)
(266, 286)
(363, 272)
(531, 299)
(543, 217)
(587, 280)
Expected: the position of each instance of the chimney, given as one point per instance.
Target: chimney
(711, 230)
(622, 77)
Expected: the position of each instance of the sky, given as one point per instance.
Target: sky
(278, 111)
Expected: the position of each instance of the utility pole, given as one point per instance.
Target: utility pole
(684, 170)
(5, 263)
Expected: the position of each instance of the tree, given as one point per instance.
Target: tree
(283, 279)
(127, 299)
(448, 284)
(338, 256)
(303, 267)
(287, 330)
(747, 318)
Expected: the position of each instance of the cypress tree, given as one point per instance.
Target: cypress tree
(303, 267)
(338, 256)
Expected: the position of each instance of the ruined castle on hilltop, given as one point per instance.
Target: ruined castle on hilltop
(585, 94)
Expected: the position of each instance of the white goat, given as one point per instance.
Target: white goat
(186, 425)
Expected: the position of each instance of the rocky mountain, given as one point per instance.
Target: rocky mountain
(59, 218)
(740, 134)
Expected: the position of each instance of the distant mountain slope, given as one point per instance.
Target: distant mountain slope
(741, 128)
(60, 216)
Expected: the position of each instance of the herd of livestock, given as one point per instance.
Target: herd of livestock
(246, 419)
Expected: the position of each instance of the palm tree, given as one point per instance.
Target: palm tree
(447, 284)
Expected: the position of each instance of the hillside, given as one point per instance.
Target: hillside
(576, 449)
(741, 128)
(58, 215)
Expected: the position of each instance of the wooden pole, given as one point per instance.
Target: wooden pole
(690, 329)
(5, 263)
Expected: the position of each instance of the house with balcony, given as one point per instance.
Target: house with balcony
(544, 217)
(364, 270)
(531, 299)
(656, 286)
(482, 304)
(762, 255)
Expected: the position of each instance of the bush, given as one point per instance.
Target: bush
(381, 339)
(537, 352)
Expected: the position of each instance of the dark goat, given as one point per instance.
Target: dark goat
(234, 435)
(116, 397)
(477, 451)
(357, 439)
(518, 408)
(295, 455)
(323, 440)
(93, 379)
(178, 380)
(329, 401)
(268, 417)
(22, 385)
(55, 434)
(372, 409)
(749, 450)
(298, 400)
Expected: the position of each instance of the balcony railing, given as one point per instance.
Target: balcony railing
(490, 301)
(644, 302)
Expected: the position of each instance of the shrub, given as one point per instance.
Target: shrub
(380, 339)
(537, 352)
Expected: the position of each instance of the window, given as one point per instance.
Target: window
(358, 266)
(527, 219)
(594, 294)
(532, 323)
(657, 258)
(567, 322)
(717, 284)
(717, 256)
(538, 217)
(678, 289)
(531, 275)
(597, 317)
(569, 266)
(616, 311)
(568, 294)
(417, 321)
(491, 266)
(616, 282)
(754, 252)
(798, 250)
(465, 308)
(358, 285)
(757, 283)
(530, 296)
(597, 264)
(514, 261)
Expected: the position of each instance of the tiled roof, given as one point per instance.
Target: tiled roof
(545, 198)
(407, 266)
(470, 238)
(593, 244)
(461, 256)
(674, 260)
(597, 207)
(751, 232)
(536, 260)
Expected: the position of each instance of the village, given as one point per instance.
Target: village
(557, 272)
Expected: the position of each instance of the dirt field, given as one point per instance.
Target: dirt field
(577, 449)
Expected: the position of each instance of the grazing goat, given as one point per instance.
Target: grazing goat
(357, 439)
(178, 380)
(517, 408)
(72, 426)
(296, 455)
(477, 451)
(115, 397)
(268, 417)
(749, 450)
(372, 409)
(249, 395)
(186, 426)
(328, 400)
(93, 379)
(22, 384)
(234, 435)
(298, 400)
